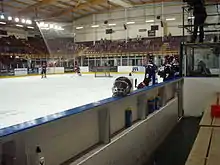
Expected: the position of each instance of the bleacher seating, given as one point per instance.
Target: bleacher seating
(37, 45)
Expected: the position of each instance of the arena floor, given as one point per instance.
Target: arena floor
(27, 98)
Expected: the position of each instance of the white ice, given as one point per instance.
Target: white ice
(28, 98)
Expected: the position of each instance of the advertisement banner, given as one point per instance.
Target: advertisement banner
(103, 68)
(32, 70)
(5, 72)
(21, 71)
(138, 69)
(151, 33)
(68, 70)
(114, 69)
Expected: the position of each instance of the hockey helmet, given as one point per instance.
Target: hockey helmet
(150, 57)
(121, 87)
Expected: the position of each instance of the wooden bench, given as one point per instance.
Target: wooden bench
(207, 120)
(206, 148)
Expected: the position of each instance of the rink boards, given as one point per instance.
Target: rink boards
(77, 129)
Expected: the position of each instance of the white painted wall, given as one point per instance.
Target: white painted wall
(119, 17)
(18, 32)
(197, 94)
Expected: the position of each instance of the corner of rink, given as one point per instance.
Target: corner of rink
(52, 95)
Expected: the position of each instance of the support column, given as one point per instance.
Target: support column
(104, 125)
(126, 30)
(180, 99)
(94, 29)
(142, 107)
(163, 95)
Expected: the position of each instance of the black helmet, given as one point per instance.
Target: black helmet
(121, 87)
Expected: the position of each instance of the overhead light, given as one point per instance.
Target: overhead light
(112, 24)
(95, 26)
(30, 27)
(16, 19)
(9, 18)
(3, 23)
(51, 26)
(28, 22)
(170, 19)
(121, 3)
(59, 28)
(40, 24)
(19, 25)
(23, 21)
(2, 16)
(80, 27)
(129, 23)
(43, 28)
(149, 21)
(191, 17)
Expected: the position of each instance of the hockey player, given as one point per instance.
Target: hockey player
(176, 67)
(132, 81)
(167, 71)
(77, 70)
(44, 70)
(143, 84)
(150, 70)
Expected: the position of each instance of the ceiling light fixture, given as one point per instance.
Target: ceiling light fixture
(149, 21)
(129, 23)
(19, 25)
(112, 24)
(170, 19)
(16, 19)
(95, 26)
(9, 18)
(30, 27)
(23, 21)
(28, 22)
(80, 27)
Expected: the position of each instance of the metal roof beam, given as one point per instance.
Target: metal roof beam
(36, 5)
(78, 7)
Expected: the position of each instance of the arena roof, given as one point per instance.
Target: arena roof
(68, 9)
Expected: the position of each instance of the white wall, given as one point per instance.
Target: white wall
(18, 32)
(197, 94)
(119, 17)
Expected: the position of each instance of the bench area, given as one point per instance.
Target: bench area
(206, 148)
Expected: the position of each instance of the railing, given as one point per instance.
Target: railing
(101, 127)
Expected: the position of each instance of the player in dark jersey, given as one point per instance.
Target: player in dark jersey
(150, 70)
(44, 70)
(170, 69)
(143, 84)
(77, 70)
(176, 67)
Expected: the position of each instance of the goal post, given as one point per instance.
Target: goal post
(102, 71)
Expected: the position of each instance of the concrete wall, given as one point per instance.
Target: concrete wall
(197, 94)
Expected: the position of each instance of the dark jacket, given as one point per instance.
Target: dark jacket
(198, 6)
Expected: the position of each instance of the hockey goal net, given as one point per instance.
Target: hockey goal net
(102, 71)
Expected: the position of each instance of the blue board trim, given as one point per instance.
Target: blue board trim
(43, 120)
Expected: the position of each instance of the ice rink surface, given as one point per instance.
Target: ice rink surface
(28, 98)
